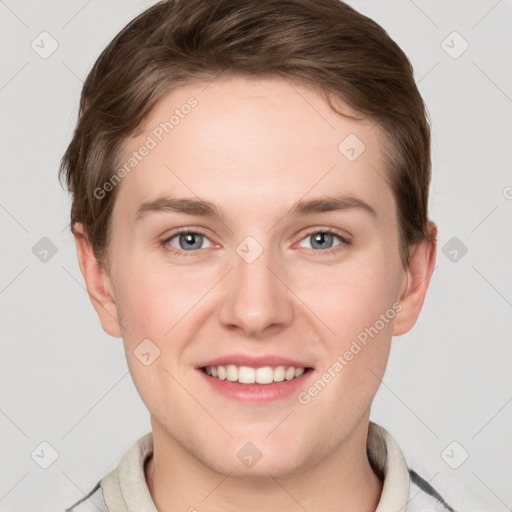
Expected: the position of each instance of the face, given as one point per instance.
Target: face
(255, 240)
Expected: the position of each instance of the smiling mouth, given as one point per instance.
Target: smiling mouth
(249, 375)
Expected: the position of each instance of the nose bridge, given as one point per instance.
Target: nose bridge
(255, 298)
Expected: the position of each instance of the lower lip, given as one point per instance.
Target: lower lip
(257, 392)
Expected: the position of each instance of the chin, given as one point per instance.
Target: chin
(258, 459)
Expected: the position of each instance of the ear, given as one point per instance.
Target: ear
(97, 281)
(417, 278)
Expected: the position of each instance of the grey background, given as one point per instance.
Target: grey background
(65, 382)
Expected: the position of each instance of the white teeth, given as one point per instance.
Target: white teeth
(231, 372)
(264, 375)
(221, 372)
(279, 374)
(289, 374)
(246, 375)
(249, 375)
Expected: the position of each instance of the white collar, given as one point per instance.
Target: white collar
(386, 457)
(125, 488)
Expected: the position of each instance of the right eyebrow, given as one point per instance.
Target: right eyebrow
(185, 205)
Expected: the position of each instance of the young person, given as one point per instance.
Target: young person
(250, 192)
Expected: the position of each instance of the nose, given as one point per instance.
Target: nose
(256, 299)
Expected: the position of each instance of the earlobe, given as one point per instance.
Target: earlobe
(97, 282)
(417, 279)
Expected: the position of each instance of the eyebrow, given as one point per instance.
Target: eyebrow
(192, 206)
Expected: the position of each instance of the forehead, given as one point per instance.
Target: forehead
(264, 140)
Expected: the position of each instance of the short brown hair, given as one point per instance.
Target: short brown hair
(324, 44)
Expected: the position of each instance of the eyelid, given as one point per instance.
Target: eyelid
(332, 231)
(183, 231)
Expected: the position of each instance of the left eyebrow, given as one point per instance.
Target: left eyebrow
(331, 204)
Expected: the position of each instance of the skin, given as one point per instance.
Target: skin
(254, 147)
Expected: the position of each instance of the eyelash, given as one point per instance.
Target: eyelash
(344, 242)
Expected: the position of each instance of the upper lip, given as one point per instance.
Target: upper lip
(255, 361)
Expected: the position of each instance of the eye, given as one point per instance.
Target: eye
(324, 240)
(190, 241)
(187, 241)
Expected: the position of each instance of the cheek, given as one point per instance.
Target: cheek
(352, 297)
(152, 298)
(158, 303)
(357, 302)
(151, 303)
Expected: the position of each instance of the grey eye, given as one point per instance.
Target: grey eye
(188, 241)
(321, 240)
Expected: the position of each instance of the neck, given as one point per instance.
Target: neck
(342, 481)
